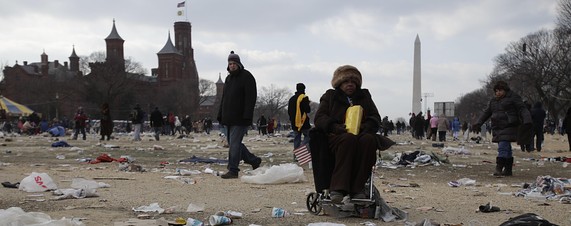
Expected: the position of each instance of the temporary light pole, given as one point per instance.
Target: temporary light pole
(425, 99)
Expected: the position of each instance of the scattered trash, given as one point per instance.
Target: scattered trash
(279, 212)
(16, 214)
(219, 220)
(87, 184)
(74, 193)
(153, 207)
(37, 182)
(193, 222)
(195, 159)
(10, 185)
(277, 174)
(488, 208)
(527, 219)
(195, 208)
(230, 214)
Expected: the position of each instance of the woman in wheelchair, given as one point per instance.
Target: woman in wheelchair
(354, 155)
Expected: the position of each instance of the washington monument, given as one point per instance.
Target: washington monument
(416, 94)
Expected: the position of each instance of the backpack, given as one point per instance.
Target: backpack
(134, 115)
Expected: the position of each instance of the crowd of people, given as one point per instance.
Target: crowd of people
(352, 147)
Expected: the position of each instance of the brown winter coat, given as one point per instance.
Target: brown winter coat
(334, 104)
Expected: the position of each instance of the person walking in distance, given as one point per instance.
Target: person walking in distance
(236, 113)
(106, 122)
(80, 121)
(298, 110)
(137, 118)
(157, 122)
(507, 112)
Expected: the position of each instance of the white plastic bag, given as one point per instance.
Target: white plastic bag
(37, 182)
(280, 174)
(87, 184)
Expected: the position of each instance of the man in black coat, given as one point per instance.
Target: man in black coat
(157, 122)
(298, 110)
(236, 113)
(507, 113)
(538, 117)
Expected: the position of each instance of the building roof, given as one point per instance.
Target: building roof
(169, 47)
(113, 34)
(73, 53)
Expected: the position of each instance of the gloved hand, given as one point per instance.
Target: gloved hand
(366, 128)
(338, 129)
(476, 128)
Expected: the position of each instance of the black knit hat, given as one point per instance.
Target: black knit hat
(300, 87)
(234, 57)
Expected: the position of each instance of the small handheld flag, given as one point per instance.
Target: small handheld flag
(302, 154)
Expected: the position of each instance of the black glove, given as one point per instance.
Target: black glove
(366, 128)
(338, 129)
(476, 128)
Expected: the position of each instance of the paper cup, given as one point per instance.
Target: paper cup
(219, 220)
(193, 222)
(279, 212)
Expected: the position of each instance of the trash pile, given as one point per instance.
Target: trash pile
(547, 187)
(411, 159)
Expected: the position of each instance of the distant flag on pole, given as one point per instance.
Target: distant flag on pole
(181, 7)
(302, 154)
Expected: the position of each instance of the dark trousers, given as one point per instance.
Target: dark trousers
(354, 159)
(441, 136)
(237, 150)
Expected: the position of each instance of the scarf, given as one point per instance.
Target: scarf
(299, 117)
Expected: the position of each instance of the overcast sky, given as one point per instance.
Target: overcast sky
(286, 42)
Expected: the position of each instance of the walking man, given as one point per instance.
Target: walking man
(298, 110)
(236, 113)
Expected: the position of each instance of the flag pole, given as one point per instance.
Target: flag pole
(185, 11)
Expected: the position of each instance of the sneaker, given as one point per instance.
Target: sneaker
(256, 163)
(336, 197)
(229, 175)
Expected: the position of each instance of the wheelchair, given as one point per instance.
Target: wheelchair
(320, 200)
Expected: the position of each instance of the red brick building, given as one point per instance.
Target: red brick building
(54, 89)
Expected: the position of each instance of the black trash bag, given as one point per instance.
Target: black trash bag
(527, 219)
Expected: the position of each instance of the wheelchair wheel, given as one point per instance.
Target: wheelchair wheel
(313, 203)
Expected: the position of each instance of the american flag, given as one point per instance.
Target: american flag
(180, 5)
(302, 154)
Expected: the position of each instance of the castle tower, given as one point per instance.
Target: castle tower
(416, 82)
(73, 61)
(219, 88)
(115, 50)
(170, 62)
(183, 43)
(45, 64)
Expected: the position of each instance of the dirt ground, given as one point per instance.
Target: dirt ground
(433, 199)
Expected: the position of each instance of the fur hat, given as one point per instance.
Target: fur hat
(345, 73)
(501, 85)
(300, 87)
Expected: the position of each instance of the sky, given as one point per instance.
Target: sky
(286, 42)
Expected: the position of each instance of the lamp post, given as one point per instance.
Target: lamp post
(57, 106)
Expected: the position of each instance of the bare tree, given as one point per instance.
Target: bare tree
(84, 61)
(564, 15)
(206, 89)
(272, 102)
